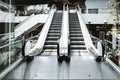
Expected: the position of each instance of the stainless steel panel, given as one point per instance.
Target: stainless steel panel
(80, 67)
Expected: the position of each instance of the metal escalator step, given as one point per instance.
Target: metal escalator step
(76, 38)
(58, 15)
(56, 24)
(74, 22)
(75, 28)
(51, 42)
(50, 47)
(76, 35)
(49, 50)
(54, 31)
(78, 32)
(57, 21)
(77, 43)
(73, 19)
(52, 38)
(83, 47)
(74, 25)
(53, 34)
(75, 32)
(52, 26)
(55, 28)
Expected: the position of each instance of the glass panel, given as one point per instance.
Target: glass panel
(10, 50)
(14, 53)
(4, 38)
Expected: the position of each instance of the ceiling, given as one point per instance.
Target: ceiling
(20, 4)
(34, 2)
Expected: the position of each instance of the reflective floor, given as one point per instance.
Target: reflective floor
(47, 67)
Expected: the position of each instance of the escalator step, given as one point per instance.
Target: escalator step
(55, 28)
(52, 34)
(75, 28)
(78, 47)
(52, 38)
(76, 32)
(77, 43)
(51, 42)
(54, 31)
(76, 35)
(49, 50)
(50, 47)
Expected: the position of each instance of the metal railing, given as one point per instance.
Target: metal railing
(64, 39)
(107, 49)
(86, 34)
(91, 45)
(5, 7)
(4, 4)
(108, 53)
(43, 34)
(15, 54)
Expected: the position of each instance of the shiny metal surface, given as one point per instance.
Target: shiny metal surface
(47, 67)
(63, 43)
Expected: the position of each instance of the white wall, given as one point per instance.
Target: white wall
(98, 18)
(5, 17)
(100, 4)
(102, 15)
(42, 17)
(94, 18)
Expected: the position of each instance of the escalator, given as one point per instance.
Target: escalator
(77, 43)
(47, 67)
(50, 46)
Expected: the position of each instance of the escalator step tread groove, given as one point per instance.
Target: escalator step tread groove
(53, 34)
(76, 37)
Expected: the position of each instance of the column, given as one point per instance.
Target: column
(119, 52)
(114, 31)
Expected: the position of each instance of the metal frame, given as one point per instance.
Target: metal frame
(64, 43)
